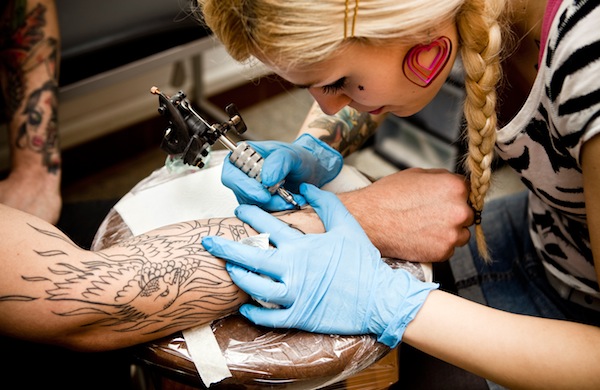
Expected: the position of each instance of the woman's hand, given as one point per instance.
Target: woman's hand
(333, 283)
(306, 160)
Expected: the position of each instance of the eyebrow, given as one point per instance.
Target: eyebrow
(309, 85)
(303, 86)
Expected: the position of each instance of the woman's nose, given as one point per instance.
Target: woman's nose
(330, 103)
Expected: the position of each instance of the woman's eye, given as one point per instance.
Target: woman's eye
(335, 87)
(35, 117)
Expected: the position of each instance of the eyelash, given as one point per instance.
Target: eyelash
(335, 87)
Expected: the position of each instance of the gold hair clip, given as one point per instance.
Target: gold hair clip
(346, 11)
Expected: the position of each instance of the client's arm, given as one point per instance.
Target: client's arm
(146, 287)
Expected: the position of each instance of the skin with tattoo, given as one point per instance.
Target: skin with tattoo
(143, 288)
(346, 131)
(29, 42)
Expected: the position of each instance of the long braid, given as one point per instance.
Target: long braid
(481, 42)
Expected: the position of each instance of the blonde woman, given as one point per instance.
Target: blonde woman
(531, 77)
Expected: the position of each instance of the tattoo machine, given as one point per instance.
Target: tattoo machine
(189, 136)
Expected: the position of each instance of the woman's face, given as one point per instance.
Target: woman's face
(377, 79)
(41, 121)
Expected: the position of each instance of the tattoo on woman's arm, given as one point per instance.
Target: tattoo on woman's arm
(347, 130)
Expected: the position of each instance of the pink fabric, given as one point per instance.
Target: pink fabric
(551, 10)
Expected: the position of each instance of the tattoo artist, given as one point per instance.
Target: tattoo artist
(531, 76)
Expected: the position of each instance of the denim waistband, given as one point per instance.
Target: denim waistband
(573, 295)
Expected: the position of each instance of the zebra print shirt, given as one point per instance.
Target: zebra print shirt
(544, 141)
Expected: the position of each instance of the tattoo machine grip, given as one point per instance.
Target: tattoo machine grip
(189, 136)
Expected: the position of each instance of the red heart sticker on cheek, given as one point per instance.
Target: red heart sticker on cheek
(423, 63)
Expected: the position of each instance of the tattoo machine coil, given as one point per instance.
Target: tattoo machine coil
(189, 137)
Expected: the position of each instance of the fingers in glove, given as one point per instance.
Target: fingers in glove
(263, 222)
(329, 208)
(247, 190)
(273, 318)
(252, 258)
(259, 287)
(278, 166)
(277, 203)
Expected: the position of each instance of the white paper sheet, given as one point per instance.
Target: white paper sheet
(199, 195)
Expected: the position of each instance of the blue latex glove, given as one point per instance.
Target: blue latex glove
(306, 160)
(333, 283)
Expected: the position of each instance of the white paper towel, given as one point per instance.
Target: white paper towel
(199, 195)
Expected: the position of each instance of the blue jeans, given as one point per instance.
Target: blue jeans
(515, 280)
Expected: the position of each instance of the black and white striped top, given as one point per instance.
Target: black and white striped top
(543, 142)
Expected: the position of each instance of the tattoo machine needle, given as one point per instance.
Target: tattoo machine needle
(189, 137)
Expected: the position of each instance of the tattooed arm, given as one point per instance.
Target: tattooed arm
(143, 288)
(345, 131)
(29, 50)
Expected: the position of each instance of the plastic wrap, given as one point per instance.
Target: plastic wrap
(258, 357)
(265, 358)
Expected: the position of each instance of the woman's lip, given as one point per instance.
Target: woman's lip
(377, 111)
(37, 141)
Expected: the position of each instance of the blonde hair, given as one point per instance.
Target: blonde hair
(480, 33)
(302, 32)
(292, 32)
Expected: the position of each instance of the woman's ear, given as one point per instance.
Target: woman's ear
(423, 63)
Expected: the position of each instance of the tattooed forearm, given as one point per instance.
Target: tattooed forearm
(151, 283)
(346, 131)
(134, 290)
